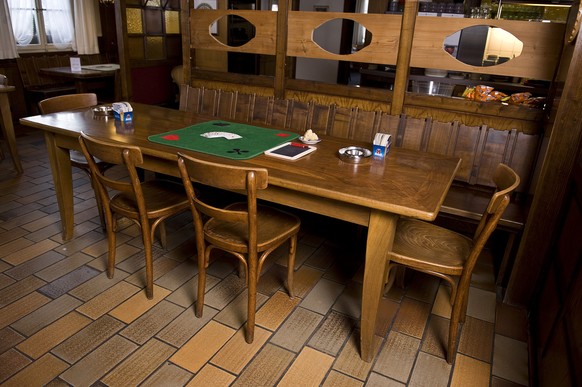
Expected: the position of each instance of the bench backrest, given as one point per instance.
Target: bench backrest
(481, 148)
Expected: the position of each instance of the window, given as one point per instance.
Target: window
(42, 25)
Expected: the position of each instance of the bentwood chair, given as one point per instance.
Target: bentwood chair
(448, 255)
(70, 102)
(247, 230)
(148, 204)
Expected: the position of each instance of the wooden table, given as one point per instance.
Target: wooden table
(8, 127)
(374, 195)
(85, 77)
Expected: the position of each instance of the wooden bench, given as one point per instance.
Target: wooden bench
(38, 86)
(481, 148)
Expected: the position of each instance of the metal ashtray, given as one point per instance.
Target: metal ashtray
(103, 110)
(354, 154)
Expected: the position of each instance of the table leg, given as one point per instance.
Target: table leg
(63, 182)
(9, 131)
(381, 231)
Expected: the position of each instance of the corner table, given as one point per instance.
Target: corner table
(374, 195)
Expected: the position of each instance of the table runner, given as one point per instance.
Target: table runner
(253, 142)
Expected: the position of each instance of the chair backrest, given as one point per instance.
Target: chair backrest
(67, 102)
(114, 153)
(506, 181)
(226, 177)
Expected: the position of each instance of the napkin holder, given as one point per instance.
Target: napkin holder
(381, 144)
(122, 111)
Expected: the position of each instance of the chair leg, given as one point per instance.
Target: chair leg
(252, 298)
(163, 235)
(203, 259)
(454, 329)
(99, 204)
(291, 264)
(110, 226)
(146, 234)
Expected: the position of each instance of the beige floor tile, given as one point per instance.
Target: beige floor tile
(237, 353)
(276, 310)
(169, 375)
(9, 338)
(377, 380)
(476, 339)
(50, 336)
(13, 247)
(304, 280)
(88, 339)
(38, 373)
(411, 318)
(109, 299)
(179, 275)
(46, 314)
(33, 265)
(397, 356)
(437, 335)
(481, 304)
(332, 333)
(350, 301)
(11, 362)
(187, 294)
(224, 292)
(211, 376)
(151, 322)
(96, 285)
(63, 267)
(140, 364)
(138, 304)
(266, 368)
(202, 347)
(297, 329)
(185, 326)
(335, 379)
(322, 296)
(430, 371)
(470, 372)
(99, 362)
(349, 361)
(24, 253)
(19, 289)
(510, 359)
(442, 304)
(387, 310)
(308, 369)
(235, 314)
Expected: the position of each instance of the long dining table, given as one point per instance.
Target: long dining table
(373, 194)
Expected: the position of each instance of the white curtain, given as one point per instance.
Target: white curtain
(58, 22)
(7, 43)
(23, 16)
(86, 17)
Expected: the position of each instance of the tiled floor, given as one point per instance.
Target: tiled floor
(63, 322)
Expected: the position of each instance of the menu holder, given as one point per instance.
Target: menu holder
(290, 151)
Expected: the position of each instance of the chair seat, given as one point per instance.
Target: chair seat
(273, 225)
(160, 196)
(429, 247)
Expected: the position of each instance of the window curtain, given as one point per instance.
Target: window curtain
(58, 23)
(7, 44)
(86, 17)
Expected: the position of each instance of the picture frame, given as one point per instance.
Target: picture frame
(208, 4)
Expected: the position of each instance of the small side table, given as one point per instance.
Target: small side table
(8, 127)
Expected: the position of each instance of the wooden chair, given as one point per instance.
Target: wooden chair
(448, 255)
(70, 102)
(247, 230)
(148, 204)
(3, 81)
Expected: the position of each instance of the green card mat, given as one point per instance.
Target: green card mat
(253, 140)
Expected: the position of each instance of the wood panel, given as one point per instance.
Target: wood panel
(542, 46)
(265, 23)
(382, 49)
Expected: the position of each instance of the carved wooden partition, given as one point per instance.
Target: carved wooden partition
(481, 148)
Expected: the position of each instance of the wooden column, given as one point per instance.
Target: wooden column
(281, 49)
(404, 54)
(125, 67)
